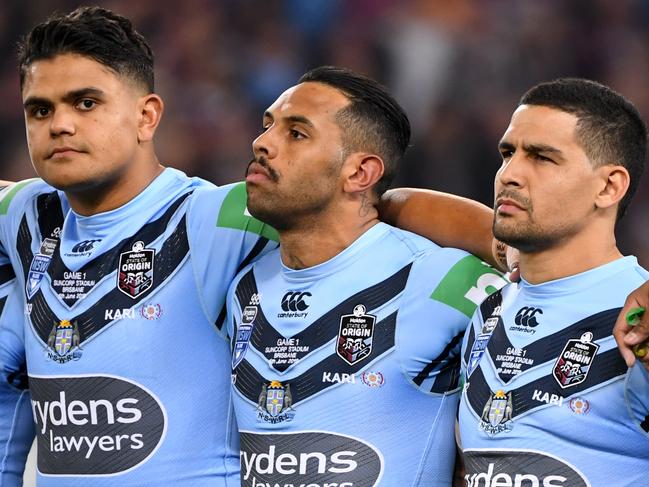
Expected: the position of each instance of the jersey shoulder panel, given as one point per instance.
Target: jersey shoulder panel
(466, 280)
(9, 194)
(225, 207)
(15, 201)
(223, 238)
(434, 314)
(416, 243)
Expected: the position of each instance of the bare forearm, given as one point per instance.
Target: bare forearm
(448, 220)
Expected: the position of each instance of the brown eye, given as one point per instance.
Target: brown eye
(42, 112)
(86, 104)
(296, 134)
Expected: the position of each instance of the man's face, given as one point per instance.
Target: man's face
(81, 121)
(546, 187)
(298, 157)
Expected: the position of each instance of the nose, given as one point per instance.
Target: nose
(511, 173)
(62, 123)
(264, 144)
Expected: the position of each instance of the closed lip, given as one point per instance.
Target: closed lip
(508, 201)
(256, 168)
(59, 150)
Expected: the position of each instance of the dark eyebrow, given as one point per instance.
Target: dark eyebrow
(536, 148)
(292, 118)
(33, 101)
(69, 97)
(300, 119)
(530, 148)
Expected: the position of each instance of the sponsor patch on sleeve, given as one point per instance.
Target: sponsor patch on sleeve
(234, 214)
(467, 284)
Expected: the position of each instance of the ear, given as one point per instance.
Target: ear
(361, 172)
(149, 110)
(615, 182)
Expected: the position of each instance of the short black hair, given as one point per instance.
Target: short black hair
(94, 32)
(609, 127)
(372, 122)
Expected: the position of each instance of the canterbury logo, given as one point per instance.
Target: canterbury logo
(294, 301)
(85, 246)
(527, 316)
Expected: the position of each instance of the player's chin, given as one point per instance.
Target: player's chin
(255, 206)
(507, 231)
(503, 225)
(70, 182)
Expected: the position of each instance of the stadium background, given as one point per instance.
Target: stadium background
(458, 67)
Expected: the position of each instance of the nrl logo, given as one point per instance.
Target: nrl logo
(63, 342)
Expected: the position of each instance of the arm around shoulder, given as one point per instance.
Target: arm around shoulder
(448, 220)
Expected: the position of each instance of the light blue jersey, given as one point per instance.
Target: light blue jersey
(125, 348)
(346, 374)
(16, 423)
(545, 401)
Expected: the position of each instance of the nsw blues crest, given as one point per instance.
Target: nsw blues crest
(275, 403)
(497, 413)
(63, 342)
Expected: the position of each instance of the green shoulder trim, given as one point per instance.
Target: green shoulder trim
(467, 284)
(13, 191)
(234, 214)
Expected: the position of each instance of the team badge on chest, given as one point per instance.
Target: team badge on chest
(275, 403)
(39, 265)
(63, 342)
(497, 413)
(135, 275)
(480, 343)
(355, 335)
(244, 331)
(573, 365)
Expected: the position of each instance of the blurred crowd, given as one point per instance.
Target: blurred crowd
(457, 66)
